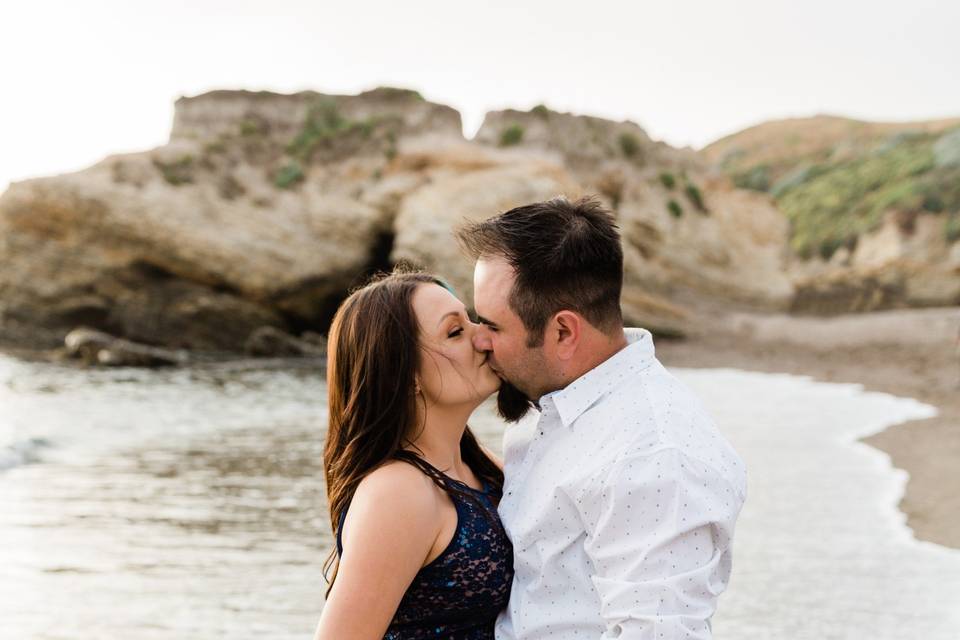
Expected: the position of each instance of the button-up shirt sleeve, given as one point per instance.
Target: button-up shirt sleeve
(659, 528)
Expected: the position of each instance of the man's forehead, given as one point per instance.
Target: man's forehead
(493, 268)
(492, 278)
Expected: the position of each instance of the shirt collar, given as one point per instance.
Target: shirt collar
(585, 391)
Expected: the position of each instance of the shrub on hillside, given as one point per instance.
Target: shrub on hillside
(253, 127)
(288, 175)
(796, 177)
(629, 145)
(756, 178)
(951, 227)
(178, 172)
(541, 110)
(849, 198)
(695, 197)
(946, 150)
(829, 246)
(512, 135)
(323, 123)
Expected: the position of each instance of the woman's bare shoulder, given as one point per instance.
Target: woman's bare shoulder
(398, 487)
(390, 528)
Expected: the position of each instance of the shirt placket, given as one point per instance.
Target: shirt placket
(522, 468)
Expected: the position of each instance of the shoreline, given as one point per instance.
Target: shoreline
(908, 353)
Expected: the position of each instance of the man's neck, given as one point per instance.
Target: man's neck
(593, 351)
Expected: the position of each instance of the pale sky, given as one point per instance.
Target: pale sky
(85, 78)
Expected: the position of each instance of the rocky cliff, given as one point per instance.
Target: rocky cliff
(874, 208)
(263, 210)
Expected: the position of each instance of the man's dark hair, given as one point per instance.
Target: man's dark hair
(565, 255)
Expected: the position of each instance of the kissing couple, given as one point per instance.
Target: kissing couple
(612, 512)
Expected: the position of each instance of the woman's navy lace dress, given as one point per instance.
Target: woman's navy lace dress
(459, 594)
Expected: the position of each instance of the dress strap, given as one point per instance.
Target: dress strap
(451, 486)
(343, 517)
(439, 478)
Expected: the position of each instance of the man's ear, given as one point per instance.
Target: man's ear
(567, 328)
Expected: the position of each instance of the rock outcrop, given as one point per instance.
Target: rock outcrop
(242, 221)
(907, 262)
(688, 236)
(263, 210)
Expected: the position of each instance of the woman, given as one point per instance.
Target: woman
(420, 550)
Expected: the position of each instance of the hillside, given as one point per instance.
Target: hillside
(879, 201)
(763, 154)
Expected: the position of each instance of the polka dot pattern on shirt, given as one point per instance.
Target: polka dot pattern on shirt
(621, 505)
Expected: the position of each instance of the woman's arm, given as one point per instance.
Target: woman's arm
(392, 524)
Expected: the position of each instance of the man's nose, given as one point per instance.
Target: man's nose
(481, 338)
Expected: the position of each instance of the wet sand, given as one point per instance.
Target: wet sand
(909, 353)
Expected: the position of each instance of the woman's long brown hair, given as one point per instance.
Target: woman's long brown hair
(372, 361)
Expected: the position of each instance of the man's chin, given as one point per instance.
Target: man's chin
(512, 404)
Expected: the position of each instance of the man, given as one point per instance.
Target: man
(621, 501)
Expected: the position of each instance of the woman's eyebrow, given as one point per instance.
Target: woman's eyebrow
(450, 313)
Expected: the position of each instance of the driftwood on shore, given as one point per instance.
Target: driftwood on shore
(271, 342)
(99, 348)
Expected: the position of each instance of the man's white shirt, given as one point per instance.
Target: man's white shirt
(620, 501)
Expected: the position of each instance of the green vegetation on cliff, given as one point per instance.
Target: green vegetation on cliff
(176, 172)
(695, 197)
(629, 144)
(288, 175)
(512, 135)
(541, 110)
(951, 227)
(323, 123)
(327, 132)
(833, 199)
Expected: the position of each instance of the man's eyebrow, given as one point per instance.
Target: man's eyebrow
(483, 320)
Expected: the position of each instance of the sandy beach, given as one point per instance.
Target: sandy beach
(909, 353)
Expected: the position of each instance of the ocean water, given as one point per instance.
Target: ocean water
(189, 504)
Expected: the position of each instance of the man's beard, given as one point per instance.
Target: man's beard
(512, 404)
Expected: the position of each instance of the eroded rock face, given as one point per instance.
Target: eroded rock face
(584, 143)
(82, 242)
(264, 210)
(687, 234)
(255, 114)
(907, 262)
(199, 242)
(731, 249)
(425, 220)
